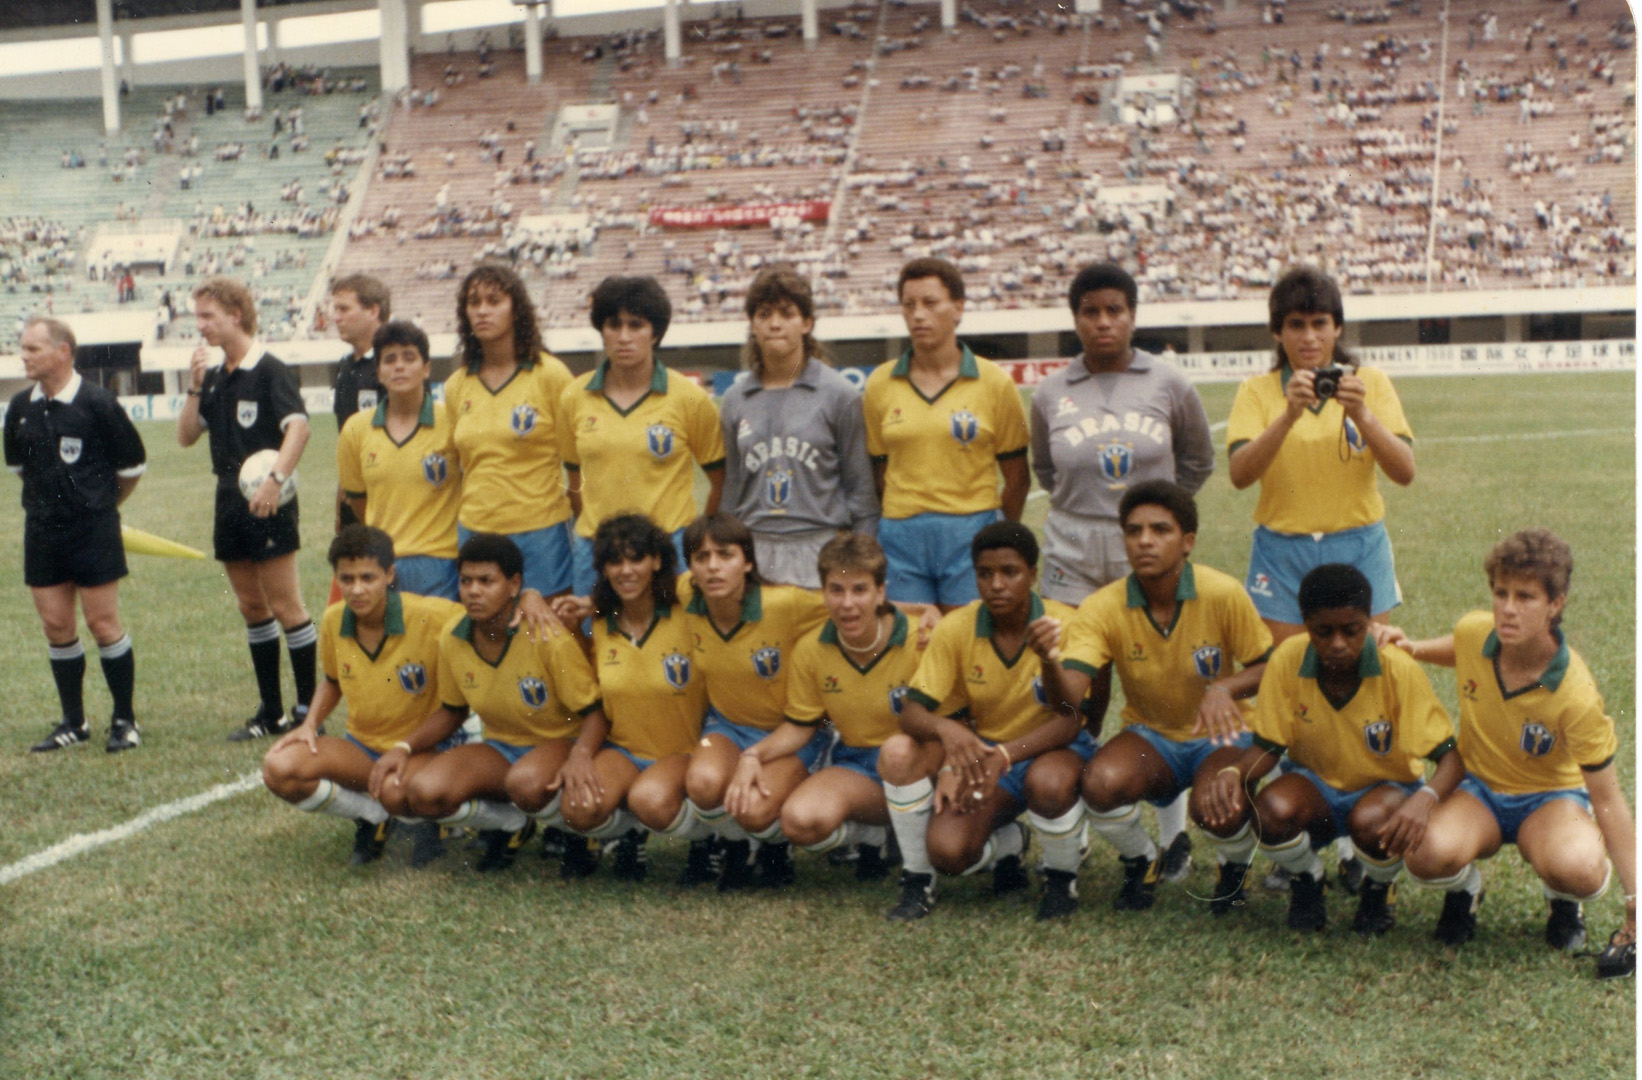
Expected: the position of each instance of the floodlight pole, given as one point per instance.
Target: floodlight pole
(253, 71)
(395, 54)
(111, 84)
(533, 44)
(1436, 154)
(670, 32)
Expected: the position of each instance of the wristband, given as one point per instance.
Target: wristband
(1427, 789)
(942, 769)
(191, 392)
(1008, 762)
(402, 745)
(277, 477)
(1229, 768)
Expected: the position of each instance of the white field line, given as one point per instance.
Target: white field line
(85, 842)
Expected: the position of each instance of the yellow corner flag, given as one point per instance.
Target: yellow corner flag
(141, 543)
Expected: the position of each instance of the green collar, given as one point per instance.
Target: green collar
(983, 616)
(967, 368)
(613, 627)
(1552, 679)
(658, 376)
(897, 632)
(1185, 588)
(464, 630)
(424, 418)
(752, 603)
(1368, 664)
(393, 621)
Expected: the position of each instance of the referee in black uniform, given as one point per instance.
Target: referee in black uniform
(79, 456)
(250, 403)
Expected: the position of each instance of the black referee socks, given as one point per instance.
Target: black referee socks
(68, 670)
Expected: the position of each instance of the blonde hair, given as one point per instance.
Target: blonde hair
(231, 295)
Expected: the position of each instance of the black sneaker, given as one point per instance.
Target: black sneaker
(554, 842)
(630, 857)
(369, 838)
(701, 864)
(737, 869)
(871, 863)
(122, 735)
(502, 847)
(427, 843)
(1009, 873)
(63, 735)
(1458, 922)
(1376, 908)
(1177, 858)
(1228, 888)
(262, 726)
(1060, 895)
(580, 859)
(1351, 875)
(774, 866)
(1306, 910)
(1139, 889)
(1565, 929)
(1616, 961)
(917, 898)
(1277, 880)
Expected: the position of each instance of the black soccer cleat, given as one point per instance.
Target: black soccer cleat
(427, 843)
(554, 842)
(630, 859)
(1276, 880)
(1228, 889)
(701, 863)
(1177, 858)
(122, 735)
(65, 734)
(1565, 929)
(502, 847)
(773, 866)
(263, 725)
(917, 898)
(1306, 909)
(369, 838)
(871, 863)
(1139, 889)
(1009, 873)
(1060, 895)
(1351, 875)
(1376, 908)
(580, 859)
(737, 869)
(1616, 961)
(1458, 922)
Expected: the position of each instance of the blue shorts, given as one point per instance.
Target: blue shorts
(1278, 562)
(929, 556)
(1339, 802)
(508, 750)
(547, 556)
(861, 759)
(641, 763)
(1183, 758)
(426, 575)
(1013, 782)
(583, 574)
(812, 755)
(1510, 811)
(372, 754)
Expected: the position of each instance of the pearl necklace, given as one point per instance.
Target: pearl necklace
(876, 642)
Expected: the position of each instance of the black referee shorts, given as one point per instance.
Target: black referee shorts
(239, 536)
(87, 553)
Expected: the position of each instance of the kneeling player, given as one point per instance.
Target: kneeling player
(379, 650)
(1539, 757)
(956, 788)
(1355, 723)
(1173, 630)
(532, 696)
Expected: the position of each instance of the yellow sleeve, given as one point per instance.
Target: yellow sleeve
(565, 422)
(1590, 735)
(1384, 403)
(1087, 648)
(1011, 431)
(938, 674)
(450, 688)
(1422, 720)
(804, 705)
(1248, 635)
(1247, 419)
(349, 473)
(1271, 707)
(573, 681)
(809, 611)
(873, 409)
(702, 429)
(329, 625)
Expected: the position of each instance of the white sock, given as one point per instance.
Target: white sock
(1295, 856)
(772, 834)
(1552, 894)
(687, 824)
(1469, 878)
(619, 823)
(1123, 829)
(910, 806)
(719, 820)
(1004, 842)
(1237, 848)
(1171, 819)
(1344, 848)
(1383, 872)
(487, 814)
(849, 834)
(332, 798)
(549, 815)
(1061, 838)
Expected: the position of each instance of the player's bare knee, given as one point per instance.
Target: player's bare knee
(898, 760)
(1104, 786)
(806, 822)
(950, 856)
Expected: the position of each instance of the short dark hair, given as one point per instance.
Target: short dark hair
(1305, 289)
(357, 541)
(641, 296)
(1539, 554)
(929, 266)
(1335, 585)
(492, 548)
(1005, 534)
(1165, 493)
(1102, 275)
(852, 551)
(399, 332)
(370, 291)
(633, 536)
(721, 528)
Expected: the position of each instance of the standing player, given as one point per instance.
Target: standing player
(796, 469)
(80, 457)
(359, 307)
(632, 428)
(1176, 633)
(1539, 754)
(249, 403)
(955, 787)
(942, 425)
(397, 465)
(1356, 723)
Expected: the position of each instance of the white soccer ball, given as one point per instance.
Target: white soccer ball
(256, 469)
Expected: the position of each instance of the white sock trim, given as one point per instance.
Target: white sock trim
(1383, 872)
(1295, 856)
(1468, 877)
(115, 649)
(72, 651)
(548, 816)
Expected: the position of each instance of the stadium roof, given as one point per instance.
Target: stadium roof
(39, 14)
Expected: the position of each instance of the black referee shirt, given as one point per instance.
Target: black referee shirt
(356, 387)
(246, 410)
(70, 451)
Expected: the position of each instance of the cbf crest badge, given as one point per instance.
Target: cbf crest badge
(435, 469)
(659, 438)
(778, 487)
(965, 426)
(246, 414)
(367, 400)
(676, 666)
(1037, 692)
(413, 678)
(68, 448)
(767, 662)
(533, 692)
(1354, 438)
(1207, 661)
(897, 700)
(1116, 459)
(1537, 739)
(1378, 736)
(523, 420)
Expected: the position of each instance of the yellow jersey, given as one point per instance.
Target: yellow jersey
(539, 690)
(389, 693)
(508, 441)
(1538, 738)
(412, 490)
(640, 459)
(654, 697)
(1165, 669)
(962, 670)
(1383, 732)
(747, 670)
(1323, 477)
(863, 703)
(941, 454)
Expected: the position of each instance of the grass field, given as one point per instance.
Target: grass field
(236, 942)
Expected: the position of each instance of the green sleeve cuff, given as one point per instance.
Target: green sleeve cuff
(803, 723)
(1441, 750)
(923, 699)
(1270, 747)
(585, 713)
